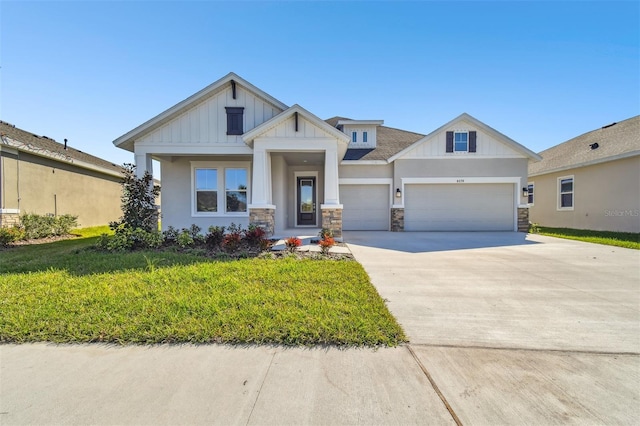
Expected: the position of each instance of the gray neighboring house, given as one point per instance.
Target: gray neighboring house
(42, 176)
(590, 182)
(233, 153)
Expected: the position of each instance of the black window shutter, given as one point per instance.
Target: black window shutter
(234, 120)
(449, 141)
(472, 141)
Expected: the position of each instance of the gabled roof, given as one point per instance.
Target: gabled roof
(285, 115)
(44, 146)
(480, 126)
(615, 141)
(389, 141)
(126, 141)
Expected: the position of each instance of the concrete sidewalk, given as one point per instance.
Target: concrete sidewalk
(50, 384)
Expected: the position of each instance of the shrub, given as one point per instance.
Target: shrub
(138, 201)
(214, 237)
(292, 243)
(231, 242)
(534, 228)
(9, 235)
(254, 236)
(41, 226)
(126, 239)
(185, 239)
(170, 235)
(325, 244)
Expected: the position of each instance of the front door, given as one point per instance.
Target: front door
(306, 208)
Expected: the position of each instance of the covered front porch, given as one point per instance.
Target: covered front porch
(295, 173)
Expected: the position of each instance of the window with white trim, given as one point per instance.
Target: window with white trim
(460, 141)
(206, 182)
(530, 193)
(364, 136)
(565, 193)
(220, 189)
(354, 136)
(236, 190)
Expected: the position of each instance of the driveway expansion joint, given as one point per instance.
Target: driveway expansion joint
(434, 386)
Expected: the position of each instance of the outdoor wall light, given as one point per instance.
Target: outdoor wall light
(525, 192)
(398, 193)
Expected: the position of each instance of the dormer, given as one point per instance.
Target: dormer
(362, 133)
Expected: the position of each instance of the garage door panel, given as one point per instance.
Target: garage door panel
(470, 207)
(366, 207)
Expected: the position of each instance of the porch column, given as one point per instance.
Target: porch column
(143, 164)
(331, 209)
(261, 211)
(331, 188)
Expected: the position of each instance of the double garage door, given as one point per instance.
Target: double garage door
(431, 207)
(466, 207)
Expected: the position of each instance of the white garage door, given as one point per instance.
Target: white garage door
(450, 207)
(366, 207)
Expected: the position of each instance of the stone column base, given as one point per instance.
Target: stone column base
(523, 219)
(397, 220)
(9, 219)
(264, 218)
(332, 219)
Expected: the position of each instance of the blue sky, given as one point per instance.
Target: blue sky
(539, 72)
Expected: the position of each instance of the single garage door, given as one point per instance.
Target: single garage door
(451, 207)
(366, 207)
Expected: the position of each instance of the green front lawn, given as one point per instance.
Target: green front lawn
(619, 239)
(66, 292)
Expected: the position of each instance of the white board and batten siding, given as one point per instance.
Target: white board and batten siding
(486, 146)
(450, 207)
(366, 207)
(287, 129)
(206, 122)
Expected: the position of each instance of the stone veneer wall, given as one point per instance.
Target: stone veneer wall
(9, 219)
(332, 219)
(264, 218)
(397, 220)
(523, 219)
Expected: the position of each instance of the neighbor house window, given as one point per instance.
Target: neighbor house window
(565, 193)
(206, 181)
(354, 136)
(461, 141)
(234, 120)
(236, 190)
(530, 193)
(364, 136)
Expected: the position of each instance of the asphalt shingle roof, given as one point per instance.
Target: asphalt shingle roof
(389, 142)
(48, 147)
(609, 142)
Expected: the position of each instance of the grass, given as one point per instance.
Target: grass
(619, 239)
(67, 292)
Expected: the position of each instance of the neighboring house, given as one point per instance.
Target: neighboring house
(233, 153)
(39, 175)
(590, 182)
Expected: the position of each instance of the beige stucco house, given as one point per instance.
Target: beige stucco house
(39, 175)
(590, 182)
(234, 153)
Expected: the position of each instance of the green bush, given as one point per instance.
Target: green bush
(9, 235)
(41, 226)
(126, 239)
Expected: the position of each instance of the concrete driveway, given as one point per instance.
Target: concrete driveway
(515, 328)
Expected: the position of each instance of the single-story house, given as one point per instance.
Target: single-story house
(39, 175)
(590, 182)
(233, 153)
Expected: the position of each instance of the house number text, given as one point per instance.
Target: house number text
(460, 181)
